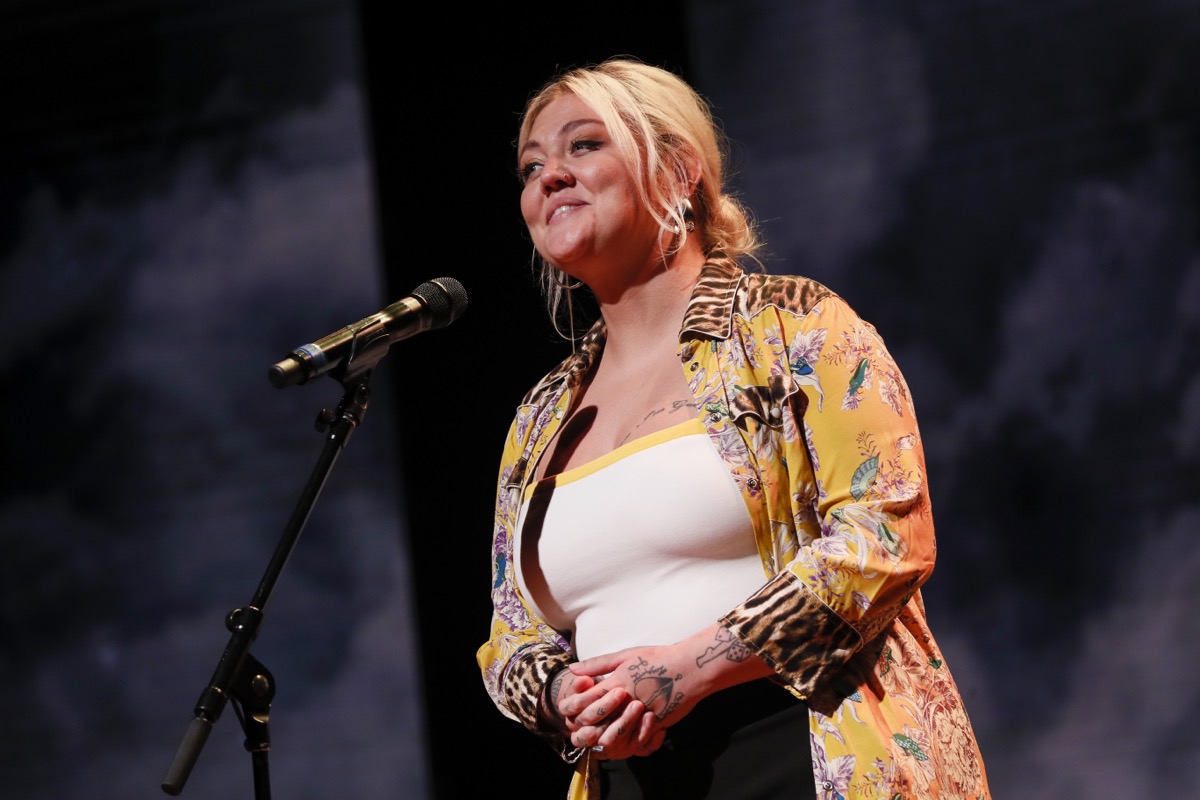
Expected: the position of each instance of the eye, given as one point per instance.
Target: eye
(526, 172)
(585, 144)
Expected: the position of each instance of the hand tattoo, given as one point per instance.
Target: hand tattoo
(727, 644)
(656, 691)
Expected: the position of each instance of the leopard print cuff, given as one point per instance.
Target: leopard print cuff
(789, 627)
(528, 672)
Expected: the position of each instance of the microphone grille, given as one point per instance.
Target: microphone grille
(445, 298)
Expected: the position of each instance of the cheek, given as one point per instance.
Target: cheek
(530, 207)
(623, 196)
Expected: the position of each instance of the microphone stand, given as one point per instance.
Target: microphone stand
(239, 677)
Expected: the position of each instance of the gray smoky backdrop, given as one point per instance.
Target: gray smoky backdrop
(1009, 191)
(187, 196)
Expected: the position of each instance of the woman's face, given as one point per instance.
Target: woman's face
(580, 200)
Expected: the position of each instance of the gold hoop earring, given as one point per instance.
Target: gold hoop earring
(556, 276)
(568, 294)
(689, 217)
(556, 290)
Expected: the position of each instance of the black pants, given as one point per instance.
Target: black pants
(749, 742)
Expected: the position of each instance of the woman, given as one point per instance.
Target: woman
(712, 519)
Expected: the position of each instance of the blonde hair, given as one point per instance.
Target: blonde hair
(663, 130)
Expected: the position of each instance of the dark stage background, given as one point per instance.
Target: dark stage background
(188, 190)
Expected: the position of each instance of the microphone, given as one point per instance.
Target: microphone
(433, 304)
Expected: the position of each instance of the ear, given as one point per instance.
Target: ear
(692, 165)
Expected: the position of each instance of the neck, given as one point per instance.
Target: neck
(646, 316)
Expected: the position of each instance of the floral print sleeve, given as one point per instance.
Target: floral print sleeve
(522, 652)
(853, 485)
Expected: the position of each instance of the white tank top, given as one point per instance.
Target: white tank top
(643, 546)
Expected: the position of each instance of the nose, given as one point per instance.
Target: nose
(555, 175)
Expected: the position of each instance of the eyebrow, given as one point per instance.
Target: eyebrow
(567, 127)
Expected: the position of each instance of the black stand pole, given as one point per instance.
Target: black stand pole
(239, 676)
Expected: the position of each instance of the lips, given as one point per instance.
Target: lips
(561, 210)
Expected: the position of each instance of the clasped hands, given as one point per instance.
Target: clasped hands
(619, 704)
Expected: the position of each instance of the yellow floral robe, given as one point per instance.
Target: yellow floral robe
(813, 419)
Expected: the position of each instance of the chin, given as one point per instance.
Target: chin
(561, 258)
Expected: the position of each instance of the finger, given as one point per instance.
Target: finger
(656, 741)
(588, 736)
(607, 705)
(597, 665)
(622, 732)
(576, 702)
(646, 727)
(561, 689)
(576, 684)
(650, 735)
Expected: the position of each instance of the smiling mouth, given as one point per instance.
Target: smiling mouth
(566, 208)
